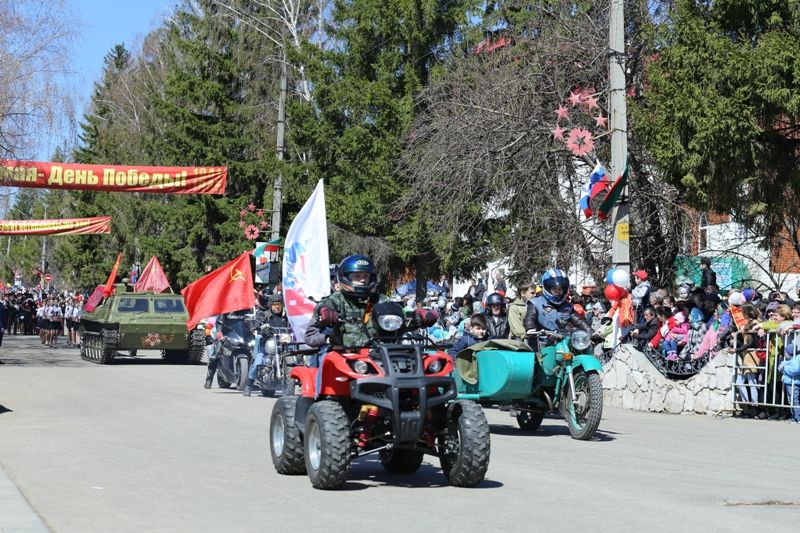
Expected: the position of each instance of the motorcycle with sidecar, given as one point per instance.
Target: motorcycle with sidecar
(391, 397)
(561, 377)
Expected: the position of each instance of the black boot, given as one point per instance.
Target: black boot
(209, 380)
(248, 388)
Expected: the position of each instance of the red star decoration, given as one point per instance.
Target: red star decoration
(600, 121)
(580, 142)
(251, 232)
(575, 98)
(242, 224)
(558, 133)
(243, 213)
(260, 213)
(561, 112)
(591, 102)
(263, 224)
(251, 207)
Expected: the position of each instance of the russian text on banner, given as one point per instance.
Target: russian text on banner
(63, 226)
(114, 178)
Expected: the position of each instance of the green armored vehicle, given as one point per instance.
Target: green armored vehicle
(131, 321)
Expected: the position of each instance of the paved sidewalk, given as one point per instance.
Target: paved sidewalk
(16, 515)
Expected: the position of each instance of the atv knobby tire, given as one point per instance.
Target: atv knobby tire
(285, 441)
(401, 461)
(529, 421)
(468, 432)
(327, 445)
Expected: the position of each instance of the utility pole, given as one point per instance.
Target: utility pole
(277, 194)
(620, 247)
(44, 251)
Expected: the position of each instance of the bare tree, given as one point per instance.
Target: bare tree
(34, 105)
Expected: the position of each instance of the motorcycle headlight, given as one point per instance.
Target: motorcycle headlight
(360, 367)
(580, 340)
(390, 322)
(435, 366)
(285, 338)
(270, 346)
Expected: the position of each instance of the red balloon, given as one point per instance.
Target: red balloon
(614, 293)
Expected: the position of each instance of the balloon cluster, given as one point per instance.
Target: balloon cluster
(618, 283)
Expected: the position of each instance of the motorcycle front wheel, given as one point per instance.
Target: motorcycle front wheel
(583, 416)
(242, 367)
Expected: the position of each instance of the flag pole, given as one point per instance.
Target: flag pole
(620, 247)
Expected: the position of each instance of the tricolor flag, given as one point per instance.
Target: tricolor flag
(613, 195)
(598, 180)
(306, 273)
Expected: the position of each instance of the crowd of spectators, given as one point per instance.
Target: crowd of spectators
(691, 323)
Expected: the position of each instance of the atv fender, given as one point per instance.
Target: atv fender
(307, 377)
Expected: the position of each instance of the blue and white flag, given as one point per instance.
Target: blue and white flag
(306, 274)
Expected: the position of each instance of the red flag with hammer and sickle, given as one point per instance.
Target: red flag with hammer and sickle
(228, 288)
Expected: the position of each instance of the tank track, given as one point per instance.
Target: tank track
(197, 347)
(100, 347)
(192, 356)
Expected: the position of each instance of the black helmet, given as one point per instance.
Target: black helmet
(350, 265)
(495, 299)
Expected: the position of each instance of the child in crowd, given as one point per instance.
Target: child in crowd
(478, 332)
(694, 337)
(750, 361)
(675, 337)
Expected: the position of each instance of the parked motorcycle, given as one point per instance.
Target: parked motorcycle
(273, 374)
(561, 378)
(234, 349)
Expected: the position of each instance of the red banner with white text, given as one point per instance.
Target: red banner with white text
(61, 226)
(114, 178)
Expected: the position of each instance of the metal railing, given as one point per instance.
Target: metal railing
(756, 379)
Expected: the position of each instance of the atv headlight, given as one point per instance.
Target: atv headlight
(360, 367)
(270, 346)
(580, 340)
(435, 366)
(390, 322)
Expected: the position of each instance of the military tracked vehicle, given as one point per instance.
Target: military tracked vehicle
(130, 321)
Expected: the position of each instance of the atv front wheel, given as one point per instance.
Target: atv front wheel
(401, 461)
(465, 447)
(327, 445)
(285, 441)
(529, 421)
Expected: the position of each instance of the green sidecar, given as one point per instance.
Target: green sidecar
(531, 384)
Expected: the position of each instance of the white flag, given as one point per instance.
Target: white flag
(305, 262)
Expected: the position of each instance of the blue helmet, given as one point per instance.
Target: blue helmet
(350, 265)
(551, 281)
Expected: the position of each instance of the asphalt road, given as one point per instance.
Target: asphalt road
(141, 446)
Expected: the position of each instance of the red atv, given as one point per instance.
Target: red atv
(391, 398)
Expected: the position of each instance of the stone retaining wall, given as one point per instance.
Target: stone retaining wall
(631, 381)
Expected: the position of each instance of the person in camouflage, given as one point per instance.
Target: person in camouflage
(341, 319)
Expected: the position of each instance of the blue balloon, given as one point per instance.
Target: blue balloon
(610, 276)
